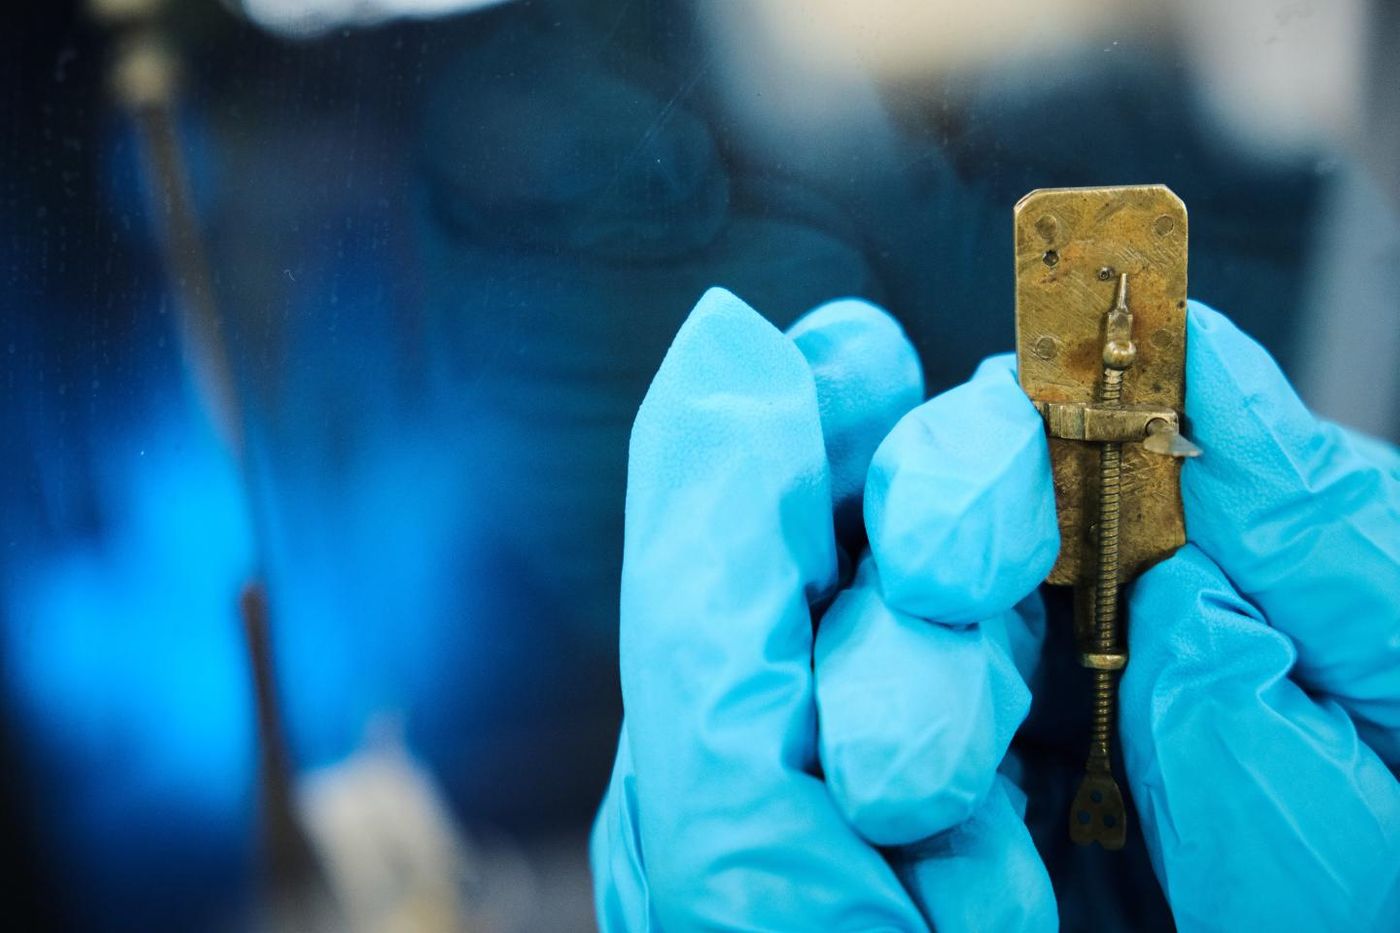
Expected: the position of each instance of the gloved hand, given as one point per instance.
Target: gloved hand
(1260, 711)
(1258, 802)
(747, 462)
(1261, 703)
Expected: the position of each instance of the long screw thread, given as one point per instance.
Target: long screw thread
(1105, 694)
(1106, 590)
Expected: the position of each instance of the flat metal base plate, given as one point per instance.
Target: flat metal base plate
(1071, 246)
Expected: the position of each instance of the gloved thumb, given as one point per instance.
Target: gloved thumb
(1302, 519)
(1261, 807)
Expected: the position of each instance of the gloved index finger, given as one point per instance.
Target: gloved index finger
(1304, 522)
(960, 502)
(728, 535)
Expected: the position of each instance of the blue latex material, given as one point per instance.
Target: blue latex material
(1261, 706)
(717, 815)
(860, 779)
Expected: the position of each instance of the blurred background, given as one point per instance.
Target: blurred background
(323, 323)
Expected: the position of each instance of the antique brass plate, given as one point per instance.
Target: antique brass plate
(1072, 244)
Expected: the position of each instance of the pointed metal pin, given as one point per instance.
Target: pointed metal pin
(1166, 440)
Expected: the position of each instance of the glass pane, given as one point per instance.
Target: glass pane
(354, 304)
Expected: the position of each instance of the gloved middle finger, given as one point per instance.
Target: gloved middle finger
(915, 718)
(867, 376)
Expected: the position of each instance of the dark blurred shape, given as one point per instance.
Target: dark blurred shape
(535, 145)
(295, 895)
(1382, 126)
(144, 78)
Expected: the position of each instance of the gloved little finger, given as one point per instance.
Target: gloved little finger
(984, 874)
(1261, 807)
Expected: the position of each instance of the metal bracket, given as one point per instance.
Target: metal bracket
(1077, 421)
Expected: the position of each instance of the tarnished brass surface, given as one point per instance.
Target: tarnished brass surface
(1072, 245)
(1101, 345)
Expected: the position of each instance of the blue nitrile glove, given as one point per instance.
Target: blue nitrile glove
(1261, 704)
(728, 807)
